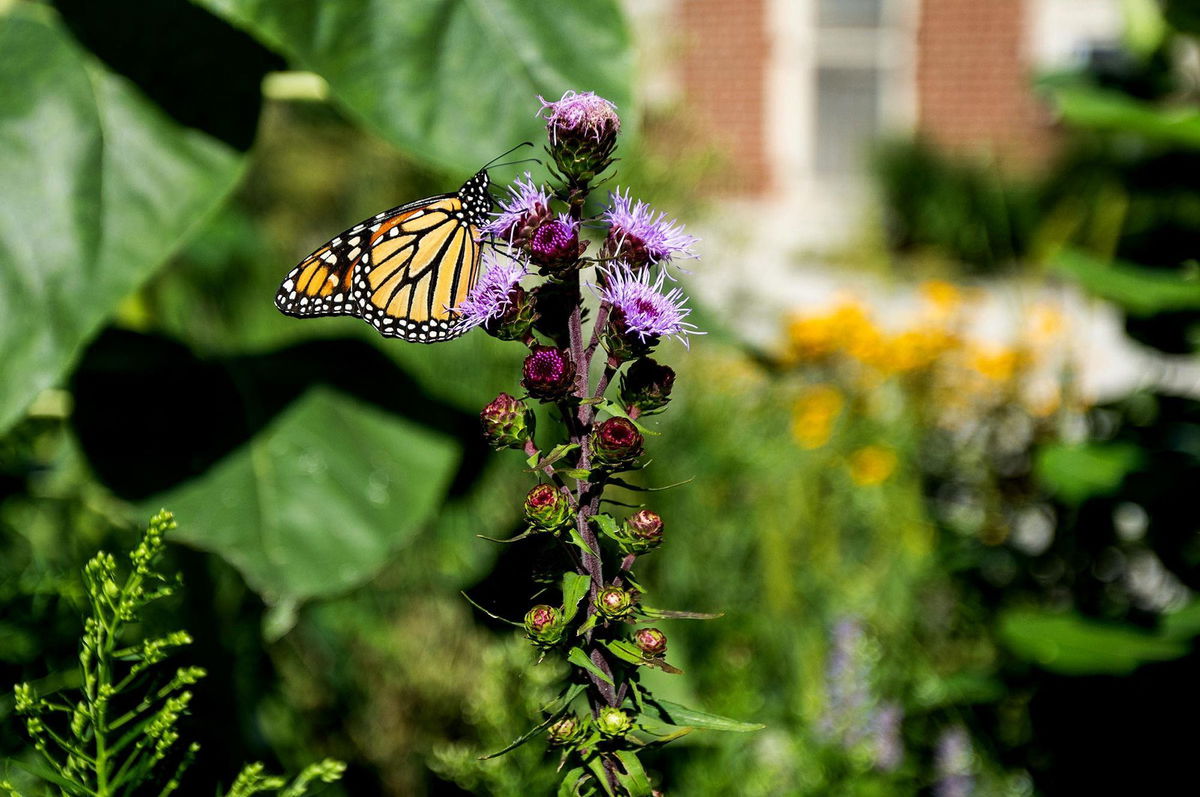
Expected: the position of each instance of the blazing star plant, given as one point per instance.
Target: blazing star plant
(599, 619)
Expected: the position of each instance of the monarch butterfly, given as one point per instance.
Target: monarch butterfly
(402, 270)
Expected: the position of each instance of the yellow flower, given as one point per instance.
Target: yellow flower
(872, 465)
(943, 297)
(998, 364)
(814, 414)
(1045, 323)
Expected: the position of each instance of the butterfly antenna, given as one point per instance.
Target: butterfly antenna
(538, 161)
(488, 165)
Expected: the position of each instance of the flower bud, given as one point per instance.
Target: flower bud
(547, 508)
(616, 441)
(549, 373)
(641, 532)
(544, 625)
(651, 641)
(506, 422)
(582, 129)
(613, 722)
(624, 343)
(647, 385)
(555, 245)
(567, 730)
(516, 319)
(614, 603)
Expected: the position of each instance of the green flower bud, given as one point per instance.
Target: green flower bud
(547, 508)
(651, 641)
(544, 625)
(647, 385)
(613, 722)
(566, 731)
(616, 441)
(614, 603)
(506, 422)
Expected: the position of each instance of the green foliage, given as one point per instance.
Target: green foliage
(388, 64)
(1077, 472)
(964, 211)
(1138, 290)
(319, 482)
(120, 733)
(1074, 645)
(109, 186)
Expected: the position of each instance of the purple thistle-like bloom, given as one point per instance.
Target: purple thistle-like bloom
(639, 235)
(556, 241)
(526, 208)
(644, 309)
(491, 296)
(587, 115)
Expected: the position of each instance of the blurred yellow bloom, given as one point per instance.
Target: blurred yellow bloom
(872, 465)
(1045, 323)
(917, 349)
(814, 414)
(943, 297)
(999, 364)
(809, 338)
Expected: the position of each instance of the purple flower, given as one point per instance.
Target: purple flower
(953, 761)
(556, 243)
(492, 295)
(644, 309)
(639, 235)
(526, 208)
(587, 115)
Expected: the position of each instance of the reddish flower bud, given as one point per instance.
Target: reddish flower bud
(544, 625)
(651, 641)
(647, 385)
(547, 508)
(616, 441)
(613, 603)
(567, 730)
(583, 132)
(506, 422)
(646, 524)
(549, 373)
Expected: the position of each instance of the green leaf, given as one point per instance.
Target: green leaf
(1183, 623)
(675, 714)
(1073, 645)
(575, 586)
(1076, 472)
(670, 614)
(579, 542)
(102, 187)
(1108, 109)
(1140, 291)
(634, 778)
(318, 501)
(525, 737)
(606, 523)
(580, 659)
(556, 453)
(570, 782)
(586, 625)
(576, 473)
(596, 765)
(452, 81)
(629, 652)
(490, 614)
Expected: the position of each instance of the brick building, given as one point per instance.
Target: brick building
(796, 91)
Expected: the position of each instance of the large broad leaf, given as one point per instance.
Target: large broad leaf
(1073, 645)
(318, 501)
(452, 81)
(1140, 291)
(100, 187)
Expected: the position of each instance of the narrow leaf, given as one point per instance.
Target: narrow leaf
(520, 536)
(489, 614)
(606, 523)
(676, 714)
(617, 482)
(543, 725)
(570, 783)
(673, 615)
(597, 767)
(580, 659)
(577, 538)
(577, 473)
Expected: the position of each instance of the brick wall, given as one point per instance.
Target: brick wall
(724, 80)
(973, 86)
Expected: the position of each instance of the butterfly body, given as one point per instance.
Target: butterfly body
(402, 270)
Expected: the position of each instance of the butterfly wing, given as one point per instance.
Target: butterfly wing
(320, 284)
(420, 264)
